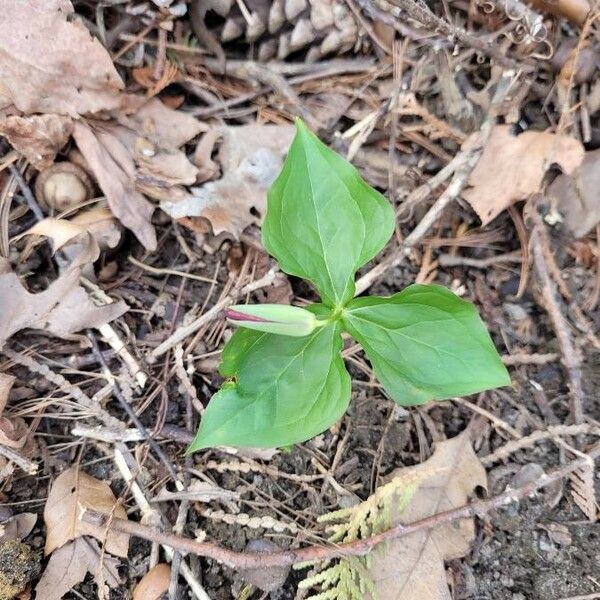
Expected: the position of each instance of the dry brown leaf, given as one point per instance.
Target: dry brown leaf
(156, 167)
(50, 63)
(17, 527)
(13, 432)
(38, 138)
(64, 307)
(412, 567)
(6, 383)
(163, 168)
(114, 170)
(512, 168)
(575, 196)
(163, 125)
(250, 156)
(61, 232)
(20, 308)
(69, 565)
(154, 583)
(101, 224)
(71, 492)
(76, 312)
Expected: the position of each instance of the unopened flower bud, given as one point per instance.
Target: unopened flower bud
(273, 318)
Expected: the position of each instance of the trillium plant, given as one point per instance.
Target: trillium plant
(285, 379)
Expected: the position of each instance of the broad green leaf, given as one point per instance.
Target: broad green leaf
(425, 343)
(284, 390)
(323, 221)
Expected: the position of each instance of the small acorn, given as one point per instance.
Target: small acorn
(63, 186)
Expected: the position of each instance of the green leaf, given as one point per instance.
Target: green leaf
(425, 343)
(285, 390)
(323, 221)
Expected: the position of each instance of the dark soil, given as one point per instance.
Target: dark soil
(542, 548)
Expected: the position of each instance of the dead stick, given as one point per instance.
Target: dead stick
(253, 560)
(466, 163)
(185, 330)
(570, 355)
(420, 12)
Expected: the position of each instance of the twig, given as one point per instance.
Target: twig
(530, 359)
(26, 191)
(165, 271)
(253, 560)
(186, 330)
(570, 356)
(111, 337)
(448, 260)
(466, 164)
(127, 408)
(21, 461)
(151, 513)
(253, 71)
(538, 436)
(113, 435)
(490, 416)
(419, 11)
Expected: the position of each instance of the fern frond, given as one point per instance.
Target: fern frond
(349, 578)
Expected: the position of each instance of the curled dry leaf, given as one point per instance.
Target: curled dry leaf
(50, 63)
(250, 156)
(162, 125)
(137, 156)
(38, 138)
(575, 196)
(72, 492)
(62, 232)
(64, 307)
(154, 583)
(6, 383)
(100, 223)
(412, 567)
(512, 168)
(17, 527)
(69, 565)
(114, 170)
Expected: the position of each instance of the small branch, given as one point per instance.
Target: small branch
(21, 461)
(210, 315)
(466, 162)
(570, 355)
(538, 436)
(253, 560)
(420, 12)
(448, 260)
(530, 359)
(118, 394)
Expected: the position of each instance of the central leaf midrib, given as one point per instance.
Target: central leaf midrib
(256, 397)
(262, 393)
(408, 337)
(314, 205)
